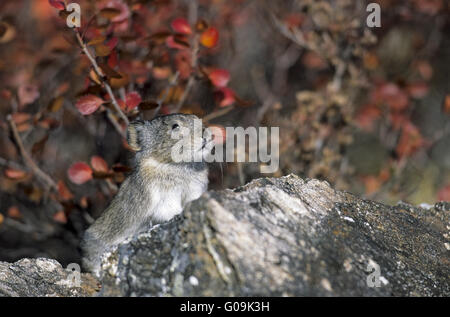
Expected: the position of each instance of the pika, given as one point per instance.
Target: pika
(159, 186)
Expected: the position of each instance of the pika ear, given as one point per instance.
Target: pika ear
(134, 135)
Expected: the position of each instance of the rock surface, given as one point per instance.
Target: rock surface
(44, 277)
(274, 236)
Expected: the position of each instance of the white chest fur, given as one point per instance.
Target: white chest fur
(172, 190)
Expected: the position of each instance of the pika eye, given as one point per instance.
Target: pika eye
(175, 126)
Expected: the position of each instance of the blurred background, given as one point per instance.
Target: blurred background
(365, 108)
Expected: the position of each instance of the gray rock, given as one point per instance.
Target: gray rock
(274, 236)
(43, 278)
(287, 237)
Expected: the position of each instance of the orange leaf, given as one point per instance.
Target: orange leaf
(88, 104)
(201, 25)
(119, 82)
(447, 104)
(161, 72)
(56, 104)
(84, 202)
(99, 164)
(110, 13)
(372, 184)
(97, 40)
(79, 173)
(209, 37)
(64, 192)
(102, 50)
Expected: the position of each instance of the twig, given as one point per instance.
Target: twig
(101, 76)
(115, 124)
(160, 101)
(8, 163)
(27, 158)
(191, 80)
(263, 91)
(193, 12)
(217, 113)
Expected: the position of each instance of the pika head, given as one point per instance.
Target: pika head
(170, 138)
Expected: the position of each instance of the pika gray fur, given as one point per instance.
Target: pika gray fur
(156, 190)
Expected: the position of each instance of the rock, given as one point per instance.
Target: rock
(286, 237)
(274, 236)
(43, 277)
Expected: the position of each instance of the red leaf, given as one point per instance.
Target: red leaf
(181, 25)
(15, 174)
(398, 119)
(392, 95)
(57, 4)
(79, 173)
(367, 116)
(99, 164)
(112, 59)
(27, 94)
(209, 37)
(225, 96)
(219, 133)
(60, 217)
(118, 5)
(122, 105)
(88, 104)
(20, 117)
(170, 42)
(14, 212)
(313, 60)
(64, 192)
(132, 100)
(444, 193)
(219, 77)
(112, 43)
(418, 90)
(410, 140)
(183, 63)
(294, 20)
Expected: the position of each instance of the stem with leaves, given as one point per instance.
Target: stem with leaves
(191, 80)
(102, 78)
(43, 177)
